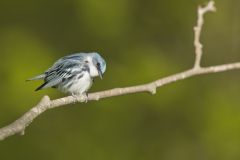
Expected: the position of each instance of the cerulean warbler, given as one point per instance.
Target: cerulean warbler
(73, 73)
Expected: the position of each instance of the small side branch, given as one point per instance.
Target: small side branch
(20, 124)
(198, 29)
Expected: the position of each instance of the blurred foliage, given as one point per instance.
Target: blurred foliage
(198, 118)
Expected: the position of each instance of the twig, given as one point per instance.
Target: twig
(198, 29)
(20, 124)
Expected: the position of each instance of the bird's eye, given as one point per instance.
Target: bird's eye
(86, 61)
(98, 64)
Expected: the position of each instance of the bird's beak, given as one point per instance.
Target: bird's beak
(99, 71)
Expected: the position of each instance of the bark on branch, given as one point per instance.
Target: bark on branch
(20, 124)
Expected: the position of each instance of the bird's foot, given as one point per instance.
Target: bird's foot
(80, 97)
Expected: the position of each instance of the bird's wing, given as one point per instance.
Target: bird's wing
(61, 70)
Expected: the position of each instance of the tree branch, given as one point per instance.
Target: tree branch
(20, 124)
(198, 29)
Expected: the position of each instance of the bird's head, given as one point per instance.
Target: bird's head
(97, 65)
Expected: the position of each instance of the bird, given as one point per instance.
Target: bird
(73, 74)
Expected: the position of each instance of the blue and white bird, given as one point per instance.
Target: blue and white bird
(74, 73)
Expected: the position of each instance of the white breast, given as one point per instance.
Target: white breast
(79, 85)
(92, 68)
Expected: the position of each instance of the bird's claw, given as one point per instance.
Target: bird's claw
(80, 98)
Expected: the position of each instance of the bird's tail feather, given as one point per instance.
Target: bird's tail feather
(41, 76)
(41, 87)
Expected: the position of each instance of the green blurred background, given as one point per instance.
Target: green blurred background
(198, 118)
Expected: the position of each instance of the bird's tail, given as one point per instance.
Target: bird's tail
(41, 76)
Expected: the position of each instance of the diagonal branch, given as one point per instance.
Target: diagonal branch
(20, 124)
